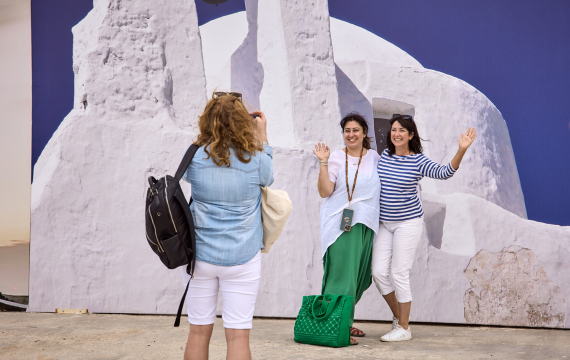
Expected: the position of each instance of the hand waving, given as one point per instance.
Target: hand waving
(322, 151)
(466, 140)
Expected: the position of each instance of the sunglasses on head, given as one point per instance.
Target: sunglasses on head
(222, 93)
(404, 117)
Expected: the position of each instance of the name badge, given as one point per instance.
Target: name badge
(346, 220)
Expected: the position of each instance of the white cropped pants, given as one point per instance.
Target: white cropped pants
(393, 255)
(238, 285)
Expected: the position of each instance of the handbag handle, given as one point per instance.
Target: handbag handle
(328, 301)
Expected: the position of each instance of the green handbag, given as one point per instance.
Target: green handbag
(324, 320)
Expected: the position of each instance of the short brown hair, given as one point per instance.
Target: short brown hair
(226, 124)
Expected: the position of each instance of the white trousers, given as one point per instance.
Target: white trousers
(393, 255)
(238, 286)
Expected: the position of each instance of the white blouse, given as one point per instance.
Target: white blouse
(365, 200)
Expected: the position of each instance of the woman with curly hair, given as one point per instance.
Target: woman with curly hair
(233, 162)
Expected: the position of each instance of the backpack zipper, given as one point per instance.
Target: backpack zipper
(154, 226)
(149, 240)
(168, 205)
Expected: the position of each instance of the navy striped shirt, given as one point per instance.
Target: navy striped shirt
(399, 176)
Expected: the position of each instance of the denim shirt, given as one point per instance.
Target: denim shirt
(227, 206)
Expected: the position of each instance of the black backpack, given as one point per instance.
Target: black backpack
(169, 224)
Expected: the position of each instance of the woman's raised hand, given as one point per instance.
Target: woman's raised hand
(325, 185)
(466, 140)
(261, 123)
(322, 151)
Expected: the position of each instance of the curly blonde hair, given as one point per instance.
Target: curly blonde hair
(226, 124)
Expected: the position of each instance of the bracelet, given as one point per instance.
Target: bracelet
(326, 163)
(264, 143)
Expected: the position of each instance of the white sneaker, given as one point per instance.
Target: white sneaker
(398, 334)
(395, 321)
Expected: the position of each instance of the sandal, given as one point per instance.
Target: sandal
(356, 332)
(353, 341)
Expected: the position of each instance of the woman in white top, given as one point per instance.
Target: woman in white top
(348, 179)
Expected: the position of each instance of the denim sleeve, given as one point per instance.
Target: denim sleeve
(186, 176)
(266, 166)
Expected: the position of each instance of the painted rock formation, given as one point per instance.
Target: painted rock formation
(143, 72)
(512, 288)
(481, 207)
(139, 87)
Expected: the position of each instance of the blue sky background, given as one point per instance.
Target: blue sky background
(517, 52)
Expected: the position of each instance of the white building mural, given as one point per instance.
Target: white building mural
(144, 71)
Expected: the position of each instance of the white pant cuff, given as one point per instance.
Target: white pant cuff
(239, 326)
(385, 291)
(207, 321)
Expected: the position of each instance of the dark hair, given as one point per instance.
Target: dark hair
(354, 116)
(409, 124)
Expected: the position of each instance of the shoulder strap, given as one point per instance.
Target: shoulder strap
(186, 160)
(179, 313)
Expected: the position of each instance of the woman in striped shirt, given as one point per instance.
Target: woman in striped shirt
(402, 165)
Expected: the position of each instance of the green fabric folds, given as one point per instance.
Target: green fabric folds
(348, 264)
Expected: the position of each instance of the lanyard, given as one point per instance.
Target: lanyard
(355, 175)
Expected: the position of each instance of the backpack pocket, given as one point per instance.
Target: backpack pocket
(175, 252)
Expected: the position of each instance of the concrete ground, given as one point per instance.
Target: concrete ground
(49, 337)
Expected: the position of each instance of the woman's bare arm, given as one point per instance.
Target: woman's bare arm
(464, 143)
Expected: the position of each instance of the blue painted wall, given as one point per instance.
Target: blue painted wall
(52, 65)
(517, 52)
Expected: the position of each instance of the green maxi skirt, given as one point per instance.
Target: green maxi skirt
(348, 264)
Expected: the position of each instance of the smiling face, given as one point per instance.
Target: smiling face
(400, 136)
(353, 135)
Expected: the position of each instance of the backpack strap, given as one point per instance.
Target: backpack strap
(186, 160)
(179, 313)
(189, 270)
(192, 264)
(178, 196)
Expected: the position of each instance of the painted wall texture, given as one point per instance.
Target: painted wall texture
(143, 71)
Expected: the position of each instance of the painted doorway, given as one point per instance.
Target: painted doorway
(381, 131)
